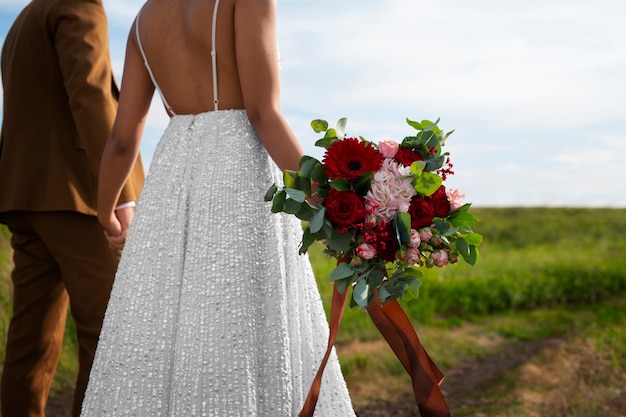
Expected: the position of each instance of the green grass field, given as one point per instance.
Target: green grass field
(542, 273)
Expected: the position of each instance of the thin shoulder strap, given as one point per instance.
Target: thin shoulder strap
(145, 61)
(214, 57)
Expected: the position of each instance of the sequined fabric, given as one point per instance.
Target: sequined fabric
(213, 312)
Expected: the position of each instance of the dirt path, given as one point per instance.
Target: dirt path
(557, 377)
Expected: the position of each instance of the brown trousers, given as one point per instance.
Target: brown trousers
(59, 257)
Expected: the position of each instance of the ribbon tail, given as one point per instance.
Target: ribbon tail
(396, 328)
(336, 313)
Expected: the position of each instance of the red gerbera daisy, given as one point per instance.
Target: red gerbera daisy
(350, 158)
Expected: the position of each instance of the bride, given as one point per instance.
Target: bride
(213, 312)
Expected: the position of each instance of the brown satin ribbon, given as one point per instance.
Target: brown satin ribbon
(396, 328)
(336, 313)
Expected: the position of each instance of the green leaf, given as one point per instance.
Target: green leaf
(402, 225)
(414, 124)
(427, 183)
(339, 241)
(279, 201)
(462, 246)
(317, 220)
(360, 293)
(319, 125)
(383, 294)
(472, 258)
(462, 218)
(269, 195)
(340, 184)
(289, 178)
(318, 174)
(306, 165)
(331, 134)
(325, 142)
(474, 239)
(417, 167)
(412, 273)
(341, 271)
(413, 289)
(363, 183)
(291, 206)
(375, 278)
(307, 240)
(296, 195)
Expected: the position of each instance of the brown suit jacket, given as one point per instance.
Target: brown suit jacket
(60, 100)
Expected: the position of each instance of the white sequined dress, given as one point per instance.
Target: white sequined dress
(213, 312)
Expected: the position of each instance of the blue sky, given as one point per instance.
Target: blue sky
(535, 89)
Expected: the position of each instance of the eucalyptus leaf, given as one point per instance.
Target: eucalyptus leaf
(341, 271)
(402, 225)
(269, 195)
(462, 218)
(427, 183)
(474, 239)
(306, 165)
(363, 183)
(360, 293)
(375, 278)
(340, 184)
(414, 124)
(307, 240)
(319, 125)
(317, 220)
(331, 134)
(462, 246)
(325, 142)
(318, 174)
(412, 290)
(289, 178)
(295, 194)
(383, 294)
(472, 258)
(417, 167)
(339, 241)
(279, 201)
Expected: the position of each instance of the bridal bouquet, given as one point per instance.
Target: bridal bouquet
(384, 210)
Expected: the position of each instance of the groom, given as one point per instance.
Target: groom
(60, 99)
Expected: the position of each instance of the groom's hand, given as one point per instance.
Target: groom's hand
(117, 235)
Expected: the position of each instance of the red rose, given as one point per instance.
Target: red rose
(406, 156)
(344, 208)
(387, 244)
(421, 212)
(439, 202)
(350, 158)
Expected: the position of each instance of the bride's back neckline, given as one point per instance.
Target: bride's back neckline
(188, 50)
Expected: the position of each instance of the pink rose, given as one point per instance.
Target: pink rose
(388, 148)
(412, 256)
(425, 234)
(456, 199)
(440, 257)
(415, 239)
(366, 251)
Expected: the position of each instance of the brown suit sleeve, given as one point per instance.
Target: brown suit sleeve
(82, 45)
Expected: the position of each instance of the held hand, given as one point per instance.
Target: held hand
(117, 229)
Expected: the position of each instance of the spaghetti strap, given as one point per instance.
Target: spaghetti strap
(145, 61)
(214, 57)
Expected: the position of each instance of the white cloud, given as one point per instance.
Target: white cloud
(534, 89)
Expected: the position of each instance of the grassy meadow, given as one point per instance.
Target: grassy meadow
(544, 274)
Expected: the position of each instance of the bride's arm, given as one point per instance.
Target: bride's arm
(122, 146)
(257, 62)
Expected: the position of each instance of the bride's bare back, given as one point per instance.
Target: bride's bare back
(176, 38)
